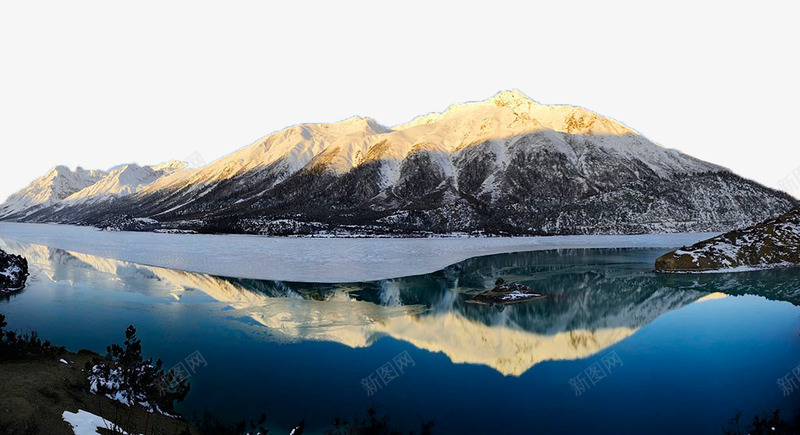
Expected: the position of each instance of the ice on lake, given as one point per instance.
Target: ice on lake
(329, 260)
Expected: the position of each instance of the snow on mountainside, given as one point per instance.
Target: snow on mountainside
(340, 147)
(54, 186)
(506, 165)
(775, 242)
(169, 167)
(61, 187)
(510, 114)
(123, 181)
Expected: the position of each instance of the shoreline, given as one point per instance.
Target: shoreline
(320, 260)
(737, 269)
(45, 388)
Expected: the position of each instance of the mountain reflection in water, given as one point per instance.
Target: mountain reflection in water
(591, 305)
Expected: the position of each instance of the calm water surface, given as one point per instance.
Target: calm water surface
(677, 354)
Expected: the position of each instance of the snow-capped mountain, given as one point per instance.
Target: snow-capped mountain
(62, 187)
(49, 189)
(503, 165)
(341, 147)
(123, 181)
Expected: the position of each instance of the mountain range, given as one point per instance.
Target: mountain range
(506, 165)
(62, 187)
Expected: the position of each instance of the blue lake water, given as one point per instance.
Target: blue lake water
(676, 354)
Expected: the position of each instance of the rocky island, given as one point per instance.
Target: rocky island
(505, 293)
(13, 272)
(772, 243)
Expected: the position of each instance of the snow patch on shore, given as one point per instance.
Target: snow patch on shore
(737, 269)
(86, 423)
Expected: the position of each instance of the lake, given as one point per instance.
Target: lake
(614, 348)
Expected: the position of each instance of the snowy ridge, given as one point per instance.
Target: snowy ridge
(123, 181)
(51, 188)
(290, 150)
(61, 186)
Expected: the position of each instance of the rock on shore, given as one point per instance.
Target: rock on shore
(772, 243)
(13, 272)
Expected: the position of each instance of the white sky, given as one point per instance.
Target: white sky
(101, 83)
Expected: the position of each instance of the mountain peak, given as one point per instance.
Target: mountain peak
(122, 168)
(357, 120)
(363, 121)
(356, 123)
(132, 168)
(59, 170)
(512, 99)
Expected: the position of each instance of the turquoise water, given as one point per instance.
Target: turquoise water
(678, 354)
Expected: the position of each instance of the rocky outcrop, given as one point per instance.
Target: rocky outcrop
(775, 242)
(13, 272)
(505, 293)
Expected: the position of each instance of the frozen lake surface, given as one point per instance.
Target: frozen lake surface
(328, 260)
